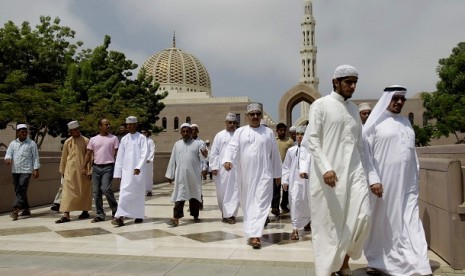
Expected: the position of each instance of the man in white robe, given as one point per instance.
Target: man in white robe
(184, 170)
(226, 182)
(397, 244)
(149, 164)
(338, 186)
(129, 166)
(297, 160)
(254, 153)
(364, 109)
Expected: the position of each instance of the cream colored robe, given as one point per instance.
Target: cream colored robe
(77, 189)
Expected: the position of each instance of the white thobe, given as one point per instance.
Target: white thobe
(397, 244)
(132, 154)
(298, 196)
(149, 164)
(183, 167)
(226, 182)
(254, 153)
(340, 214)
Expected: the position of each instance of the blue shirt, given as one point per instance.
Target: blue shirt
(24, 156)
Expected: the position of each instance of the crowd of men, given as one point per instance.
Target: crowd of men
(350, 176)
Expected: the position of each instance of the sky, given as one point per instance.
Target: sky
(251, 47)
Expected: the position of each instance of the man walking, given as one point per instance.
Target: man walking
(129, 167)
(396, 244)
(254, 154)
(284, 143)
(77, 189)
(184, 170)
(226, 182)
(338, 186)
(23, 157)
(102, 148)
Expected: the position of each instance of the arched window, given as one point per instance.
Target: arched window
(188, 119)
(425, 119)
(176, 123)
(411, 117)
(164, 123)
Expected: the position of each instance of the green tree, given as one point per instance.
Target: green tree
(33, 66)
(100, 85)
(447, 105)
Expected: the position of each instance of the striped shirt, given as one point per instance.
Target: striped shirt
(24, 156)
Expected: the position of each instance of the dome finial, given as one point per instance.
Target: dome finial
(174, 39)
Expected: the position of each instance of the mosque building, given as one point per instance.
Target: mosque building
(190, 97)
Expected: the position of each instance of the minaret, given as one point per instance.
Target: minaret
(308, 51)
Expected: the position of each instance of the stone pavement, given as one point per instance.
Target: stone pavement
(35, 245)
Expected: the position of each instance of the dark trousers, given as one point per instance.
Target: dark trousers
(21, 183)
(277, 197)
(194, 207)
(101, 185)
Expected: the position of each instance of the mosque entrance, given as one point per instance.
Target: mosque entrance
(301, 93)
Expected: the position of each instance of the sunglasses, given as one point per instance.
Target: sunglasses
(397, 98)
(255, 114)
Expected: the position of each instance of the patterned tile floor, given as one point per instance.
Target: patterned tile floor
(35, 245)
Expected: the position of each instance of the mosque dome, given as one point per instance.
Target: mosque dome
(175, 69)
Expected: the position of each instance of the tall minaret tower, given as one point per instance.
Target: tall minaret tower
(308, 51)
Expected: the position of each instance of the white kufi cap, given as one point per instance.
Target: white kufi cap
(231, 117)
(20, 126)
(254, 107)
(73, 125)
(194, 125)
(345, 71)
(131, 120)
(185, 125)
(301, 129)
(292, 129)
(364, 106)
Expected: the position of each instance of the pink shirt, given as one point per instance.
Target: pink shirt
(104, 148)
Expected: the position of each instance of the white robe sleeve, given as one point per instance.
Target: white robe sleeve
(287, 167)
(275, 157)
(370, 169)
(233, 147)
(215, 152)
(305, 160)
(118, 172)
(150, 149)
(142, 141)
(312, 136)
(171, 169)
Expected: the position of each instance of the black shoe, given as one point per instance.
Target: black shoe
(196, 219)
(149, 193)
(285, 210)
(138, 220)
(275, 211)
(267, 221)
(307, 227)
(84, 215)
(55, 207)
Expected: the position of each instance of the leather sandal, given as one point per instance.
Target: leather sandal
(295, 235)
(232, 220)
(256, 244)
(174, 222)
(14, 215)
(63, 220)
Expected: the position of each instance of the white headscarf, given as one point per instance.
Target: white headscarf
(382, 104)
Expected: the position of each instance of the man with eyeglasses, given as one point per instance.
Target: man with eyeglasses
(226, 182)
(392, 169)
(254, 153)
(338, 187)
(23, 157)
